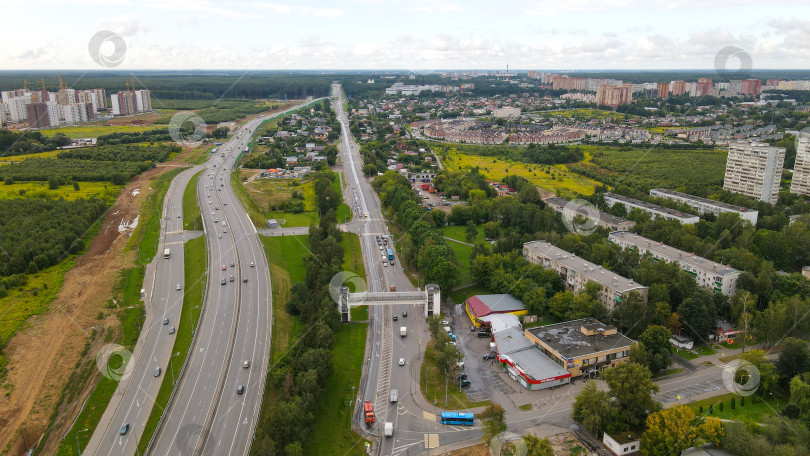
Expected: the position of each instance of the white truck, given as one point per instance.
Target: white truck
(389, 429)
(166, 253)
(403, 331)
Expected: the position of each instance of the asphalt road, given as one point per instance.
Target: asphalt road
(205, 413)
(388, 346)
(140, 386)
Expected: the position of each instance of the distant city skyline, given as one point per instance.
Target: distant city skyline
(418, 35)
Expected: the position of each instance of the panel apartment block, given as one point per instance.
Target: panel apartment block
(705, 205)
(754, 169)
(654, 210)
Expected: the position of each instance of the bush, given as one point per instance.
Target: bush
(733, 403)
(721, 406)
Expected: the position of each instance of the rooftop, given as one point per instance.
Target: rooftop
(674, 254)
(700, 199)
(561, 203)
(482, 305)
(514, 346)
(591, 271)
(568, 340)
(649, 206)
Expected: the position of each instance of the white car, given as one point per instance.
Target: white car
(401, 361)
(178, 286)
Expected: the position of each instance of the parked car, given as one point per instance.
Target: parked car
(489, 356)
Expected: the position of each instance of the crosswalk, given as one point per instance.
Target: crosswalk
(431, 440)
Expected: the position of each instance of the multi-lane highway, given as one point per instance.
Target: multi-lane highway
(384, 371)
(232, 342)
(139, 386)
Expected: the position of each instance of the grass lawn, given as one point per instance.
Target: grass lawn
(456, 400)
(194, 260)
(94, 131)
(334, 412)
(145, 237)
(103, 190)
(750, 410)
(286, 257)
(192, 220)
(463, 252)
(353, 256)
(459, 296)
(459, 233)
(688, 354)
(705, 350)
(286, 219)
(127, 292)
(556, 178)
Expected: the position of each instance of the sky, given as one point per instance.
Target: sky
(413, 35)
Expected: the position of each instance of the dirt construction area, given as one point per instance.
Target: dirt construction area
(45, 354)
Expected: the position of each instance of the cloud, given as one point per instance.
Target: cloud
(124, 25)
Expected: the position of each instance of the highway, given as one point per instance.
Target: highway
(384, 371)
(206, 414)
(138, 390)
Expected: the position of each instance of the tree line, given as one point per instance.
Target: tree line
(29, 142)
(296, 383)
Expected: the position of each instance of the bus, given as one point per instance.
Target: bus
(390, 254)
(464, 419)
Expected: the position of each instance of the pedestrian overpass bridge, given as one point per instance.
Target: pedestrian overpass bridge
(429, 299)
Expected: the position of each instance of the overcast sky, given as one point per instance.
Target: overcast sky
(410, 35)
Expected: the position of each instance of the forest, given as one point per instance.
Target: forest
(117, 164)
(38, 233)
(29, 142)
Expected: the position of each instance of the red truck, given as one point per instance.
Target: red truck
(368, 410)
(425, 186)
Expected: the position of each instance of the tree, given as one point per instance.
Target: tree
(712, 430)
(632, 388)
(654, 342)
(493, 422)
(593, 409)
(794, 359)
(370, 170)
(767, 376)
(536, 446)
(697, 315)
(470, 232)
(669, 431)
(491, 230)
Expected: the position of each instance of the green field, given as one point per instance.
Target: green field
(752, 411)
(463, 252)
(436, 385)
(585, 114)
(102, 190)
(286, 257)
(333, 415)
(131, 316)
(353, 257)
(192, 220)
(194, 260)
(458, 233)
(556, 178)
(94, 131)
(19, 158)
(145, 237)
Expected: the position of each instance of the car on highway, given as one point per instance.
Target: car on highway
(124, 429)
(394, 395)
(385, 263)
(240, 389)
(404, 313)
(244, 279)
(224, 267)
(216, 220)
(231, 263)
(157, 372)
(223, 223)
(230, 279)
(219, 235)
(246, 364)
(178, 287)
(172, 330)
(166, 320)
(401, 361)
(222, 281)
(395, 318)
(251, 264)
(224, 230)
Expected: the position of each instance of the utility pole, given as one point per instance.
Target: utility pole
(77, 441)
(745, 320)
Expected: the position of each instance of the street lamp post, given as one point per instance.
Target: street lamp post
(171, 364)
(77, 441)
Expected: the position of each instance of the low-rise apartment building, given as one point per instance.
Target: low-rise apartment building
(707, 273)
(577, 272)
(571, 209)
(705, 205)
(654, 210)
(581, 346)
